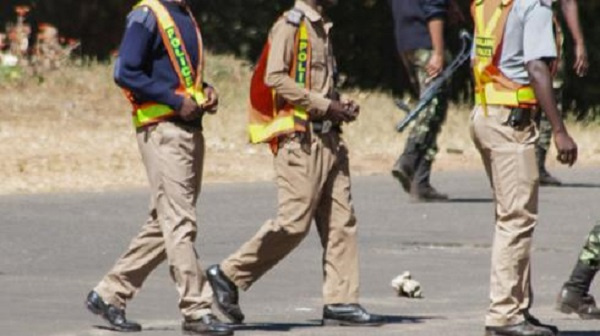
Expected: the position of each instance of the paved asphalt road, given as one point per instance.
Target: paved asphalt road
(55, 247)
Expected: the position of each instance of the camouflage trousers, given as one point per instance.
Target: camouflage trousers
(428, 125)
(590, 253)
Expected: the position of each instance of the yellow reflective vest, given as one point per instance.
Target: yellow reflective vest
(491, 86)
(190, 79)
(267, 120)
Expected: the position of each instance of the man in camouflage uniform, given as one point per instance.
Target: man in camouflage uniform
(574, 296)
(420, 45)
(570, 12)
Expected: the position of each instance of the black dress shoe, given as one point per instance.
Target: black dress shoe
(524, 328)
(548, 180)
(404, 175)
(427, 194)
(583, 305)
(349, 315)
(225, 293)
(208, 324)
(533, 320)
(112, 314)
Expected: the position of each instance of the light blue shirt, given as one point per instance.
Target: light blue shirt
(528, 35)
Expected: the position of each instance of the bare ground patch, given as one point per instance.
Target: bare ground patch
(72, 132)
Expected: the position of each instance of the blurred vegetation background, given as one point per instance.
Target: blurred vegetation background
(362, 38)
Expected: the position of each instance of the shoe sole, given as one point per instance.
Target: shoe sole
(564, 308)
(403, 179)
(338, 323)
(227, 314)
(495, 333)
(97, 311)
(93, 309)
(219, 306)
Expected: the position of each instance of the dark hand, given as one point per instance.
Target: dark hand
(212, 100)
(339, 113)
(581, 60)
(566, 148)
(435, 65)
(189, 110)
(353, 109)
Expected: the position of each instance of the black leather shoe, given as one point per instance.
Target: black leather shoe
(403, 175)
(427, 194)
(349, 315)
(208, 324)
(531, 319)
(112, 314)
(583, 305)
(225, 293)
(524, 328)
(548, 180)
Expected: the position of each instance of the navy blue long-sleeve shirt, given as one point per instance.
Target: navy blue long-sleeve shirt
(410, 21)
(143, 65)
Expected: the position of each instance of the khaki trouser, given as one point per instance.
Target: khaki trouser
(173, 157)
(313, 185)
(509, 158)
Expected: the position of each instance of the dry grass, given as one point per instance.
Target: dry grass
(73, 132)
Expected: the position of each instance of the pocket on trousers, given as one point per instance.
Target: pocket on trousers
(295, 157)
(528, 167)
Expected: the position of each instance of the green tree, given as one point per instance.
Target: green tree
(362, 37)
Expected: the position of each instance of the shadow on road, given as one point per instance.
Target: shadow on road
(397, 319)
(276, 326)
(390, 319)
(580, 333)
(144, 328)
(576, 185)
(469, 200)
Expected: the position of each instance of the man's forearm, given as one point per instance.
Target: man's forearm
(571, 13)
(289, 90)
(541, 81)
(436, 31)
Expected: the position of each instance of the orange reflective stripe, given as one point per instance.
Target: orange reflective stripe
(200, 69)
(173, 43)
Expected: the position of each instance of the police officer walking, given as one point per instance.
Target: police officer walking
(514, 43)
(295, 77)
(419, 32)
(160, 67)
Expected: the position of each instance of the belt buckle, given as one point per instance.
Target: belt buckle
(327, 124)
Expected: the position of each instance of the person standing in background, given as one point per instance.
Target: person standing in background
(419, 35)
(571, 14)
